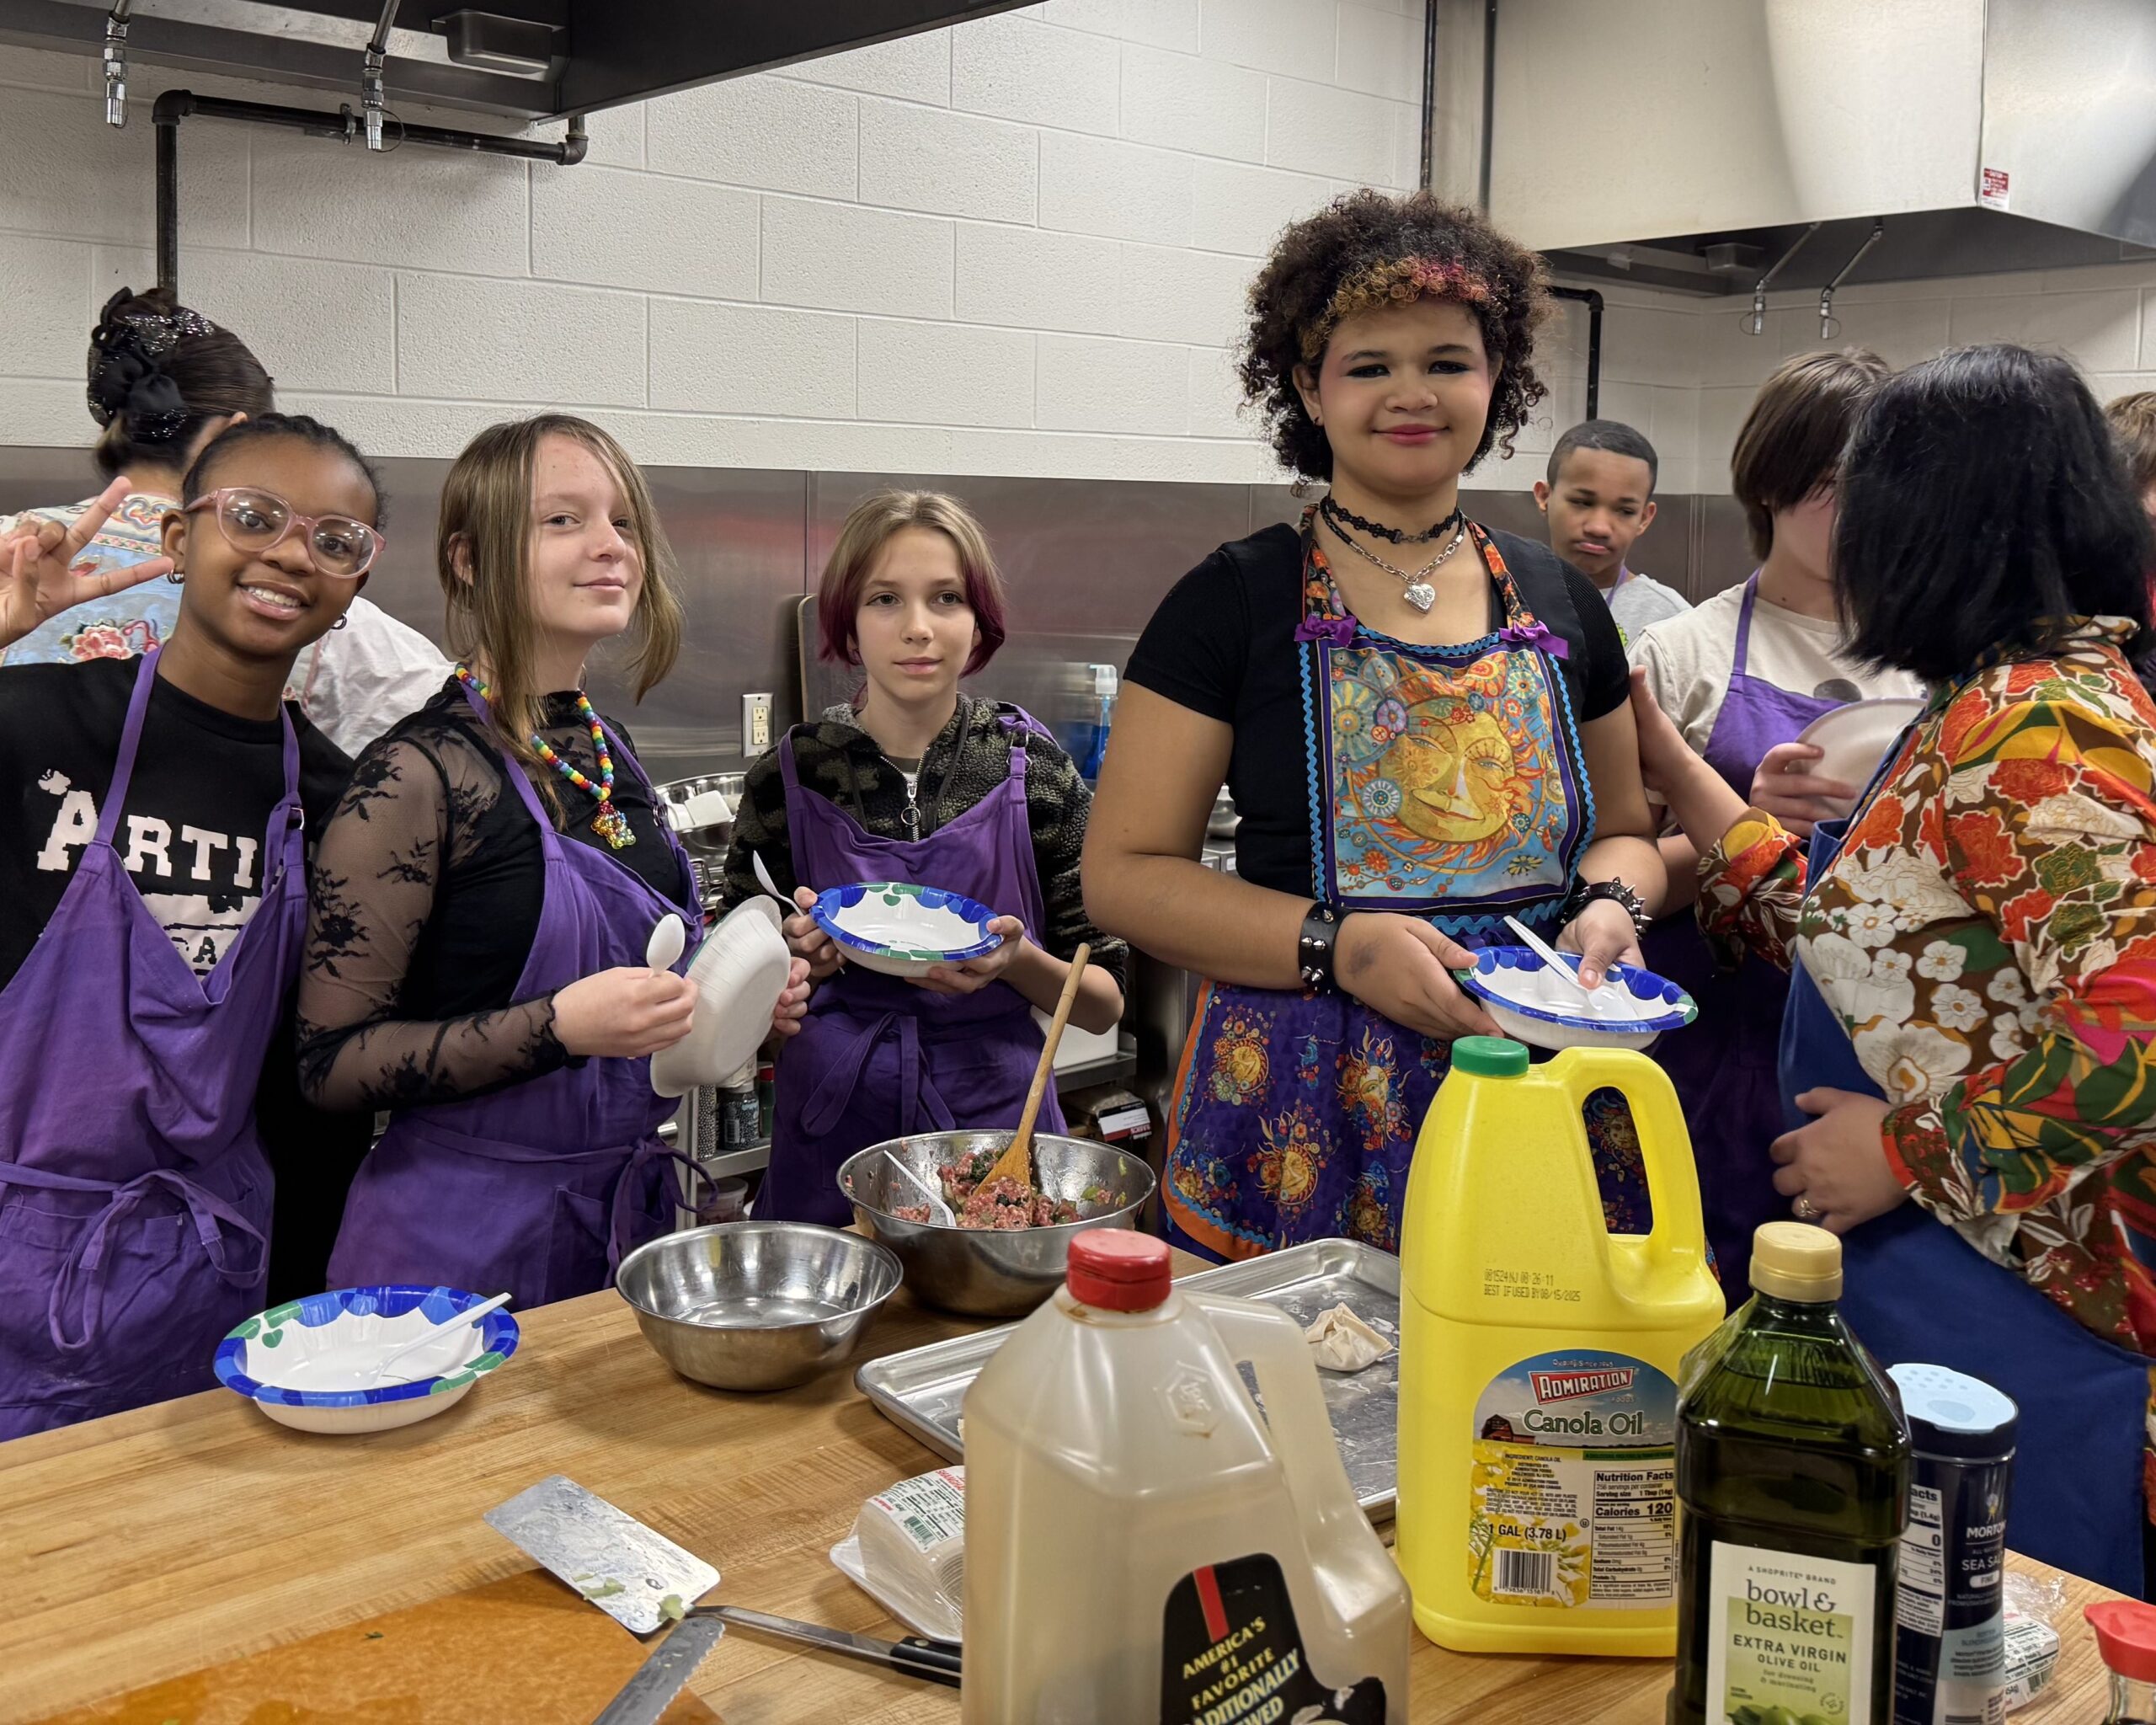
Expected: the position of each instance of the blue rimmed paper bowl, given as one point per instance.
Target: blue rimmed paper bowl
(1531, 1006)
(904, 930)
(271, 1357)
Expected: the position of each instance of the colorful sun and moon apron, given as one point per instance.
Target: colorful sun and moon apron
(1723, 1067)
(1445, 783)
(135, 1196)
(544, 1186)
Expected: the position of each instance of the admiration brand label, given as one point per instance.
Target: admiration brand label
(1568, 1385)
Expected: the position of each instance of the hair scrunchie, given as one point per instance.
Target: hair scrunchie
(127, 374)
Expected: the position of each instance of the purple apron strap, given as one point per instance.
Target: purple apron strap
(130, 741)
(79, 1288)
(282, 818)
(514, 770)
(622, 1210)
(1743, 654)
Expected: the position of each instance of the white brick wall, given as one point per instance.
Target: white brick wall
(1018, 247)
(1685, 370)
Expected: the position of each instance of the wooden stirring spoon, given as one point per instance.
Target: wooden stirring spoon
(1017, 1161)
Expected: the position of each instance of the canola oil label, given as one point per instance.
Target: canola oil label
(1574, 1488)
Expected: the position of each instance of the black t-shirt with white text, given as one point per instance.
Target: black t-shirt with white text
(191, 834)
(198, 804)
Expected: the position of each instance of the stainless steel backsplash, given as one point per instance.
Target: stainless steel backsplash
(1085, 561)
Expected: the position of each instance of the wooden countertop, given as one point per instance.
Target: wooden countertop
(155, 1546)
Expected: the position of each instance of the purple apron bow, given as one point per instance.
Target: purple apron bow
(1333, 631)
(1538, 635)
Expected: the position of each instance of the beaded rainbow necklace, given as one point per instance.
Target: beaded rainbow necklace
(609, 824)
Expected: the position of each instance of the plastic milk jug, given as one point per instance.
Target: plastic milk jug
(1142, 1543)
(1539, 1358)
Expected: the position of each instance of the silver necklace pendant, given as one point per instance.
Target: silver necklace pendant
(1420, 595)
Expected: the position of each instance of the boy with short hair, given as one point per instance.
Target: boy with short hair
(1598, 495)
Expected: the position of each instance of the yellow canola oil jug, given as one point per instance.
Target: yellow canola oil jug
(1538, 1358)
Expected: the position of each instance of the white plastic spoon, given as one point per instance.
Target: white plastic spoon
(668, 939)
(1617, 1006)
(362, 1365)
(938, 1210)
(764, 879)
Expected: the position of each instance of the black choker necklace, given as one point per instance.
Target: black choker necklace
(1340, 517)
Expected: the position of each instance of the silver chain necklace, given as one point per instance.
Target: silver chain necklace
(1419, 592)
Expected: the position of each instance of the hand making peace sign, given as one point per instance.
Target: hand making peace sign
(38, 574)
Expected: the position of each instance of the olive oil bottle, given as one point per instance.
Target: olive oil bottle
(1792, 1480)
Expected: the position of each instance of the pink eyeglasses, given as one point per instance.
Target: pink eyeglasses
(255, 520)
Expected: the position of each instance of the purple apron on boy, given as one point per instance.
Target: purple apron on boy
(542, 1188)
(878, 1057)
(1723, 1066)
(135, 1198)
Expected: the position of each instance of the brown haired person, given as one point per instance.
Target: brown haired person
(481, 900)
(1741, 674)
(2133, 421)
(163, 381)
(1424, 724)
(918, 782)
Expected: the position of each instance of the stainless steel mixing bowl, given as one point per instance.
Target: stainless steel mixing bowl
(977, 1271)
(757, 1305)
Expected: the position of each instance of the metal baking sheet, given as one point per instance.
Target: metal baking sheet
(920, 1390)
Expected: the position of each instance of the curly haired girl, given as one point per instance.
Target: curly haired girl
(1423, 723)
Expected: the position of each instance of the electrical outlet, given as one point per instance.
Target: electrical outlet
(756, 723)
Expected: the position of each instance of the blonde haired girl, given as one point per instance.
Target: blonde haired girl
(481, 900)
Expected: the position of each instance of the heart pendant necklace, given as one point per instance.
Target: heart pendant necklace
(1417, 589)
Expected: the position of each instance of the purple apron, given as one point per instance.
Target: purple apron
(1446, 782)
(541, 1187)
(879, 1058)
(1913, 1290)
(135, 1201)
(1723, 1066)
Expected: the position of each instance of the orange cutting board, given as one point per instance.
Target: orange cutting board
(519, 1652)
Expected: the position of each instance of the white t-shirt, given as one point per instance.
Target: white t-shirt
(1688, 659)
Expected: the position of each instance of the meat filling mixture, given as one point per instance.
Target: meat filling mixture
(1001, 1205)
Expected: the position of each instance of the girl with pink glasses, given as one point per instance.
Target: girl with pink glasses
(154, 821)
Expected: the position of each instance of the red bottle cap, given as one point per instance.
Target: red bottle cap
(1118, 1269)
(2125, 1636)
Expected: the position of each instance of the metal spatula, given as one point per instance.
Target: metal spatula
(640, 1578)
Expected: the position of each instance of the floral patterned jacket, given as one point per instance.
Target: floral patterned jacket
(1988, 938)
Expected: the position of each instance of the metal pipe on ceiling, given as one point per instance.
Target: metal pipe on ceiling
(1756, 324)
(1827, 327)
(344, 125)
(1489, 102)
(1591, 299)
(115, 62)
(373, 103)
(1429, 91)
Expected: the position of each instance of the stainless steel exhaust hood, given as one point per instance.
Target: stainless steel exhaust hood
(1695, 144)
(527, 60)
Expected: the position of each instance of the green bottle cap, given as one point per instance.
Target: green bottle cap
(1490, 1056)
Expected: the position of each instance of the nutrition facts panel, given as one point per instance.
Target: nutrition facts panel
(1920, 1595)
(1634, 1533)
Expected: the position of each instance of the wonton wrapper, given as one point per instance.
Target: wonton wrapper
(1340, 1341)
